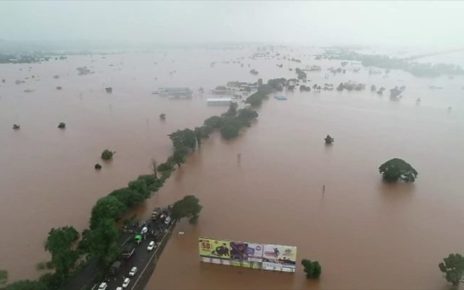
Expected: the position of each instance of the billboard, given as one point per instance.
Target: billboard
(248, 255)
(279, 258)
(214, 248)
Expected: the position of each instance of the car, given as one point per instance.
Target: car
(103, 286)
(167, 220)
(125, 283)
(132, 271)
(119, 288)
(151, 245)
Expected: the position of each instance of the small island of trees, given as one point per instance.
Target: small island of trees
(107, 155)
(312, 268)
(453, 268)
(397, 169)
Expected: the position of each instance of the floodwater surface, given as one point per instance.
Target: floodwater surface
(365, 234)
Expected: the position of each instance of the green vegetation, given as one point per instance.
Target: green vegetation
(102, 239)
(453, 267)
(3, 277)
(256, 99)
(386, 62)
(301, 74)
(62, 244)
(27, 285)
(98, 166)
(329, 140)
(312, 269)
(397, 169)
(188, 207)
(107, 155)
(62, 125)
(16, 127)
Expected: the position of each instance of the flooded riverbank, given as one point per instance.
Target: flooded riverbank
(365, 234)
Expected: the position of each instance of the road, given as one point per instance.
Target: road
(157, 231)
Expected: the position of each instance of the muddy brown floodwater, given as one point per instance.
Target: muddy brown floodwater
(367, 235)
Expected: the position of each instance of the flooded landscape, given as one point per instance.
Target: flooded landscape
(149, 144)
(368, 235)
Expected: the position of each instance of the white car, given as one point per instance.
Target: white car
(125, 283)
(151, 245)
(132, 271)
(103, 286)
(167, 220)
(118, 288)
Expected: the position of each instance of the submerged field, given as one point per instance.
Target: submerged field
(367, 235)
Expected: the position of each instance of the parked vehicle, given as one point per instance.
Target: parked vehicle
(103, 286)
(125, 283)
(133, 271)
(151, 245)
(167, 220)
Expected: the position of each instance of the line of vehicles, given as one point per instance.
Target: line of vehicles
(152, 230)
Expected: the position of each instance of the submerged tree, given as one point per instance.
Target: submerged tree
(107, 155)
(312, 269)
(3, 277)
(453, 267)
(62, 243)
(188, 207)
(397, 169)
(329, 140)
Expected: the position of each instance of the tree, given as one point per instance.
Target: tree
(397, 169)
(108, 207)
(3, 277)
(62, 243)
(130, 197)
(312, 269)
(184, 138)
(61, 125)
(178, 157)
(107, 154)
(103, 242)
(453, 267)
(214, 122)
(27, 285)
(329, 140)
(188, 207)
(230, 130)
(232, 111)
(247, 114)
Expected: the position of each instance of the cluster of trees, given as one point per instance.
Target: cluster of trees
(231, 122)
(350, 86)
(386, 62)
(312, 268)
(301, 74)
(188, 207)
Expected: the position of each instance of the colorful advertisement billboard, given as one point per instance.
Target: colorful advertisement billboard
(279, 258)
(214, 248)
(248, 255)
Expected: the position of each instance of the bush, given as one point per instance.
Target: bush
(107, 155)
(213, 122)
(230, 130)
(312, 269)
(397, 169)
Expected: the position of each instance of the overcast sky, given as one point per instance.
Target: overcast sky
(412, 23)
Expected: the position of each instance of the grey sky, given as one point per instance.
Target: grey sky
(320, 23)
